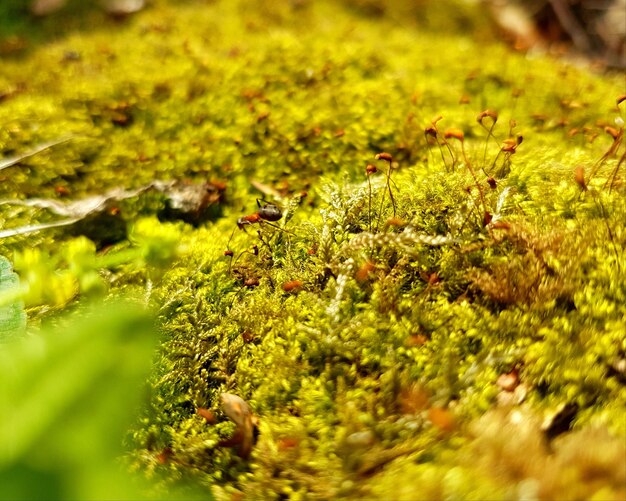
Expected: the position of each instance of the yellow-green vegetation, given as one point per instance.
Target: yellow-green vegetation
(442, 315)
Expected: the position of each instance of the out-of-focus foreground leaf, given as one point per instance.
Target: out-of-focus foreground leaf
(12, 315)
(67, 396)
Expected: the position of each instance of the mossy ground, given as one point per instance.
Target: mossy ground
(377, 374)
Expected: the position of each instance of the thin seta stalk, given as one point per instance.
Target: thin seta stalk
(369, 170)
(494, 119)
(454, 133)
(433, 132)
(579, 177)
(389, 159)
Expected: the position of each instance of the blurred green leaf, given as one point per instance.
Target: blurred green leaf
(12, 315)
(67, 397)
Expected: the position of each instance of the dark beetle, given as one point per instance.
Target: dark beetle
(269, 212)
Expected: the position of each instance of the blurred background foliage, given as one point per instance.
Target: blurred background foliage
(594, 28)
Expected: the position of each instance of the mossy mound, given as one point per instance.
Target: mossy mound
(433, 326)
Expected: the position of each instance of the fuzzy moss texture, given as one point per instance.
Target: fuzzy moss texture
(369, 336)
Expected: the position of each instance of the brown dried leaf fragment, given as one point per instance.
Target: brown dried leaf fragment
(46, 7)
(239, 412)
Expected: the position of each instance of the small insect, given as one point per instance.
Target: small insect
(266, 212)
(244, 221)
(269, 212)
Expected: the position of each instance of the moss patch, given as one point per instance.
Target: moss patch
(475, 252)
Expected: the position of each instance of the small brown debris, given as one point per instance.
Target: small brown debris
(287, 443)
(579, 177)
(442, 419)
(413, 399)
(395, 221)
(619, 366)
(416, 340)
(251, 282)
(515, 397)
(487, 217)
(62, 191)
(364, 271)
(292, 286)
(501, 225)
(239, 412)
(121, 114)
(360, 439)
(248, 336)
(508, 381)
(560, 421)
(123, 8)
(431, 278)
(164, 456)
(45, 7)
(207, 415)
(617, 369)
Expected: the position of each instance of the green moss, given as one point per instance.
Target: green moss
(371, 377)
